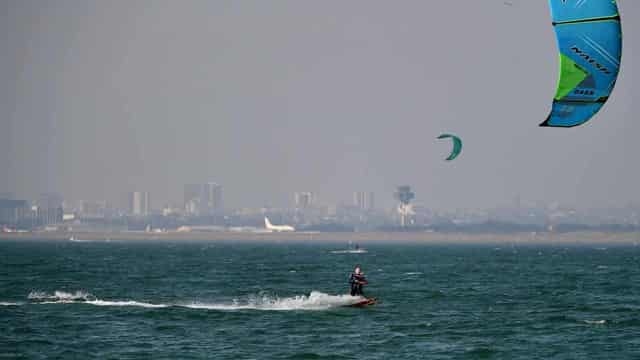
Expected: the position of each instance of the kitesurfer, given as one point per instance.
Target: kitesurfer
(357, 281)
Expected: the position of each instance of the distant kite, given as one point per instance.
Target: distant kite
(590, 43)
(457, 145)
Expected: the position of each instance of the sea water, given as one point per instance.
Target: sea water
(223, 300)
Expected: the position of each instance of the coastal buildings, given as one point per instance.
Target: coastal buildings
(204, 207)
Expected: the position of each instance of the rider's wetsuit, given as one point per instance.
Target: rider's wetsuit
(356, 281)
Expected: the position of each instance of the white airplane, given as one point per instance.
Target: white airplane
(277, 228)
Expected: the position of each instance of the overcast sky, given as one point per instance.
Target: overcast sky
(98, 98)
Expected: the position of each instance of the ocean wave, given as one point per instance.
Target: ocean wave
(595, 322)
(315, 301)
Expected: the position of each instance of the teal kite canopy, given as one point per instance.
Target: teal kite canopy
(457, 145)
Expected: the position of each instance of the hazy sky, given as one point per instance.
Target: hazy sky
(98, 98)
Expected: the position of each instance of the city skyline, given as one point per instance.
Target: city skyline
(101, 99)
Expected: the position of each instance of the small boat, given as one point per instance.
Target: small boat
(351, 250)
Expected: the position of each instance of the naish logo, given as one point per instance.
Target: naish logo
(590, 59)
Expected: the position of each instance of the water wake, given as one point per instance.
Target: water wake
(126, 303)
(314, 301)
(5, 303)
(354, 251)
(60, 296)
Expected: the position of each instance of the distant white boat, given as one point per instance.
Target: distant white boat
(78, 240)
(351, 250)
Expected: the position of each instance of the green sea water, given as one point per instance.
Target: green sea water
(217, 300)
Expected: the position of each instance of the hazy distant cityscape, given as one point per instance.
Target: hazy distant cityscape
(203, 210)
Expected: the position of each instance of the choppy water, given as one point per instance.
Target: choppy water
(171, 300)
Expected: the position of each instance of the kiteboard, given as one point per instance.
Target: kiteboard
(364, 302)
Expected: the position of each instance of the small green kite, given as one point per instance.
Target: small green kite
(457, 145)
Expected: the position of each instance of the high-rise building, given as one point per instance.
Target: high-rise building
(13, 211)
(50, 201)
(203, 199)
(192, 198)
(49, 216)
(212, 197)
(139, 203)
(363, 200)
(92, 209)
(303, 199)
(49, 209)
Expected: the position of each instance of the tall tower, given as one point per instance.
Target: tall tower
(404, 195)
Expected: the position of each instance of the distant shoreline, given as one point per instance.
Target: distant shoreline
(354, 237)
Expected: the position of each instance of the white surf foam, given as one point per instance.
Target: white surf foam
(315, 301)
(62, 297)
(126, 303)
(359, 251)
(4, 303)
(595, 322)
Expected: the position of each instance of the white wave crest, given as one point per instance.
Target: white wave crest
(60, 296)
(4, 303)
(315, 301)
(595, 322)
(354, 251)
(126, 303)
